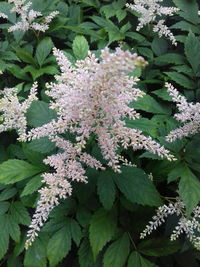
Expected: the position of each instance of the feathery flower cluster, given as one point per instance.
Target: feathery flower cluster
(189, 226)
(28, 17)
(149, 11)
(68, 167)
(91, 99)
(189, 114)
(2, 15)
(13, 112)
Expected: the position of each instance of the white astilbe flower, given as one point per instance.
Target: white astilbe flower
(189, 114)
(28, 17)
(189, 226)
(2, 15)
(13, 112)
(91, 99)
(68, 167)
(150, 11)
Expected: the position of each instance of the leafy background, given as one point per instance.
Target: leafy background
(101, 223)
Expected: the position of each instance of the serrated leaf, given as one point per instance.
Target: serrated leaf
(106, 190)
(59, 245)
(121, 14)
(42, 145)
(190, 9)
(158, 247)
(163, 94)
(83, 216)
(8, 193)
(5, 8)
(43, 50)
(181, 80)
(36, 73)
(176, 173)
(80, 47)
(159, 46)
(144, 51)
(32, 186)
(12, 227)
(19, 213)
(94, 3)
(185, 26)
(149, 104)
(136, 259)
(117, 253)
(35, 255)
(75, 231)
(85, 254)
(189, 189)
(25, 56)
(171, 58)
(142, 124)
(4, 206)
(39, 113)
(137, 187)
(102, 229)
(14, 170)
(4, 240)
(192, 47)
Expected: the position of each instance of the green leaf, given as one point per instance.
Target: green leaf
(36, 73)
(142, 124)
(158, 247)
(121, 14)
(19, 213)
(32, 186)
(190, 9)
(170, 58)
(43, 50)
(149, 104)
(12, 227)
(80, 47)
(186, 26)
(5, 8)
(8, 193)
(4, 240)
(184, 69)
(94, 3)
(14, 170)
(25, 56)
(75, 231)
(136, 259)
(4, 206)
(35, 255)
(189, 189)
(85, 254)
(146, 52)
(18, 72)
(102, 229)
(159, 46)
(163, 94)
(192, 47)
(176, 173)
(39, 113)
(42, 145)
(181, 80)
(117, 253)
(137, 187)
(59, 245)
(106, 190)
(108, 11)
